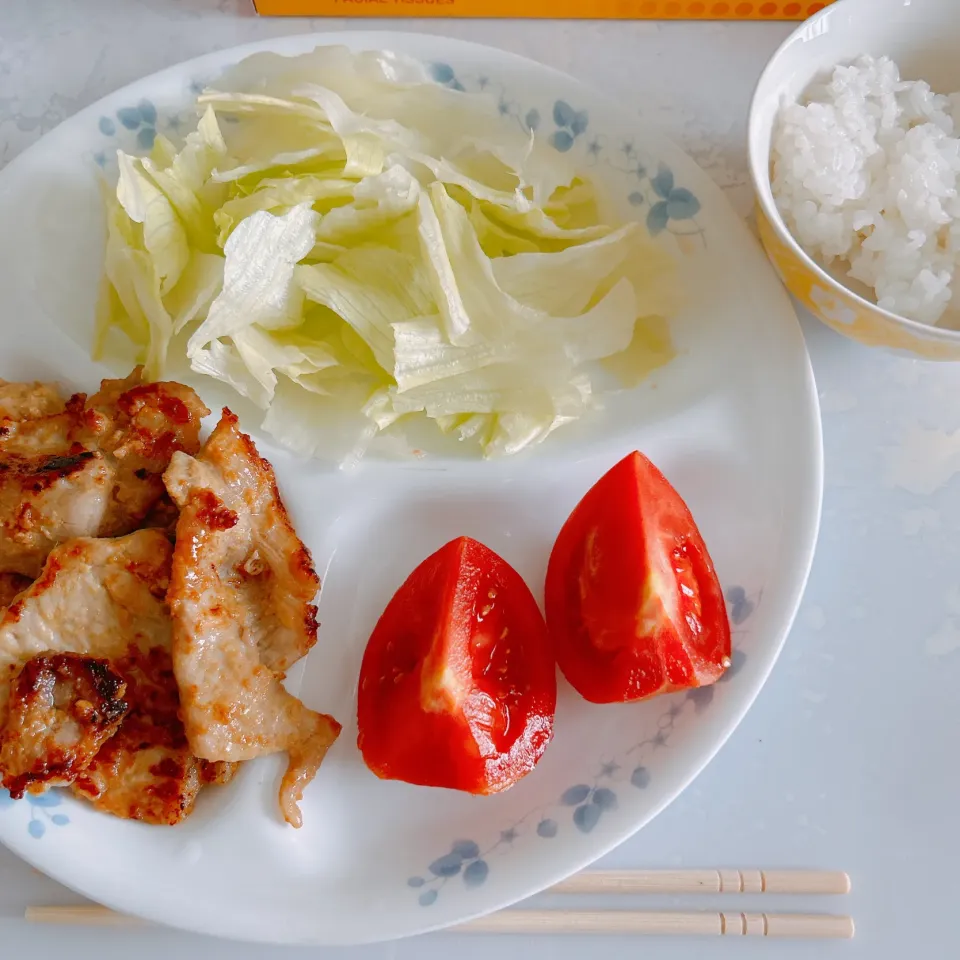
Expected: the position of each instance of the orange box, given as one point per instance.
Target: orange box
(551, 9)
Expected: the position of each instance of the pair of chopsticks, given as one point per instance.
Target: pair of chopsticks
(623, 922)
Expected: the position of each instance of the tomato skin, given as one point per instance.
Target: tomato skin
(458, 683)
(634, 607)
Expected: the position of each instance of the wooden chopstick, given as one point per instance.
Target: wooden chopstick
(632, 882)
(813, 882)
(622, 922)
(81, 915)
(666, 923)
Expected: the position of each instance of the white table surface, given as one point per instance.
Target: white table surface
(849, 757)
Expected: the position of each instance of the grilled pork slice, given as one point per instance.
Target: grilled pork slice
(11, 586)
(91, 470)
(105, 598)
(241, 592)
(63, 707)
(26, 401)
(147, 771)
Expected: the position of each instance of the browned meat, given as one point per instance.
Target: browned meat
(163, 516)
(47, 499)
(11, 585)
(147, 772)
(92, 470)
(241, 592)
(106, 599)
(63, 707)
(26, 401)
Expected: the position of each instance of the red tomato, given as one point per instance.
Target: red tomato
(458, 685)
(634, 607)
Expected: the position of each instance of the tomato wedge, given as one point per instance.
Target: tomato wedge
(634, 606)
(458, 684)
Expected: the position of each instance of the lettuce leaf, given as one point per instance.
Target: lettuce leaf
(351, 245)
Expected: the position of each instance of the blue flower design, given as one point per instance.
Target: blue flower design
(476, 873)
(640, 777)
(465, 860)
(129, 117)
(575, 795)
(700, 697)
(589, 804)
(444, 75)
(604, 798)
(448, 865)
(148, 112)
(676, 203)
(140, 120)
(570, 124)
(741, 606)
(586, 817)
(442, 72)
(547, 828)
(466, 849)
(40, 805)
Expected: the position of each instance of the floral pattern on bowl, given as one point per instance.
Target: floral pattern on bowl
(846, 313)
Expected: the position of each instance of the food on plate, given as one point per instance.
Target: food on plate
(458, 682)
(349, 244)
(865, 172)
(147, 770)
(103, 599)
(91, 470)
(63, 707)
(241, 595)
(11, 585)
(634, 607)
(89, 650)
(27, 401)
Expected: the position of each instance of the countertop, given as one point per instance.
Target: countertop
(847, 759)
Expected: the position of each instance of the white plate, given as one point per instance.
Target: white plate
(733, 422)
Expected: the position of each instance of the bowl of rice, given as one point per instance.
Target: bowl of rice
(854, 141)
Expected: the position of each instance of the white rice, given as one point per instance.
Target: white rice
(865, 174)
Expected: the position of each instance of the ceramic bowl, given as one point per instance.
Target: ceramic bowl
(922, 37)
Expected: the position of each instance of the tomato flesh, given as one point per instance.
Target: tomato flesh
(634, 607)
(458, 683)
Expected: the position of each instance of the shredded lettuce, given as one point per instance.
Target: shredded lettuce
(349, 244)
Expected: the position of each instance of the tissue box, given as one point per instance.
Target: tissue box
(559, 9)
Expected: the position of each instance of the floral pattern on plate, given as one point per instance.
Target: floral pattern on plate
(39, 805)
(670, 207)
(582, 805)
